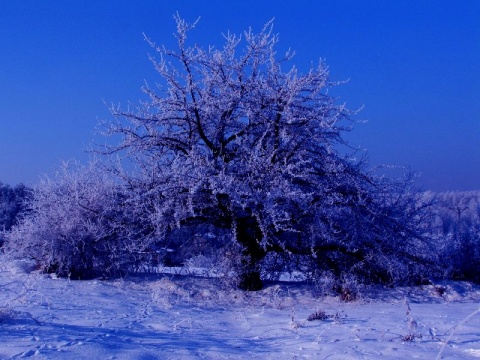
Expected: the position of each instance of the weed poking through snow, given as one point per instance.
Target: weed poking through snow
(412, 325)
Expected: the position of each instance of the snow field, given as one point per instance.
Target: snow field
(186, 317)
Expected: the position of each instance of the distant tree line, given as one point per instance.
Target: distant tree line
(13, 203)
(457, 229)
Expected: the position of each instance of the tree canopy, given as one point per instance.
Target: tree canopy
(236, 138)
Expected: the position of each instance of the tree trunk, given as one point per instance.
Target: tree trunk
(249, 235)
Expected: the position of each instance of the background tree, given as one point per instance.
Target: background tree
(13, 202)
(457, 231)
(233, 140)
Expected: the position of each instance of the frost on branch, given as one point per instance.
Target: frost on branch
(238, 139)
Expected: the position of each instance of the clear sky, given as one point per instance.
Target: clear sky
(414, 65)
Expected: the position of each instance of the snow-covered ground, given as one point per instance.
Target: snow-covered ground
(185, 317)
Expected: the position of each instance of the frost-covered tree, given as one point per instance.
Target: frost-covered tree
(233, 139)
(78, 225)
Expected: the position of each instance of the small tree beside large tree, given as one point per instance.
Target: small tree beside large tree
(79, 225)
(232, 139)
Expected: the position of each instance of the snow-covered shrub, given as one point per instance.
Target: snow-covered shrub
(77, 225)
(318, 315)
(323, 316)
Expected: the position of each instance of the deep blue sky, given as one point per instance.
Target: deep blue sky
(413, 64)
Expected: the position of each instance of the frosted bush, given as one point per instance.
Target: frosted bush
(76, 226)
